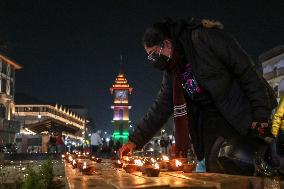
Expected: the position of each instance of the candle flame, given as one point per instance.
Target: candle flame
(118, 161)
(156, 166)
(70, 158)
(165, 158)
(126, 158)
(138, 162)
(84, 165)
(178, 163)
(74, 161)
(153, 160)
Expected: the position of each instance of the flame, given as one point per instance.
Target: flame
(118, 161)
(165, 158)
(138, 162)
(156, 166)
(178, 163)
(84, 165)
(126, 158)
(74, 162)
(70, 158)
(63, 156)
(153, 160)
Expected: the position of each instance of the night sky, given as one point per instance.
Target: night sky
(70, 49)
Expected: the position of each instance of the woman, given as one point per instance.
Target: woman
(209, 83)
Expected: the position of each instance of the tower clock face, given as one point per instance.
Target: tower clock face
(121, 94)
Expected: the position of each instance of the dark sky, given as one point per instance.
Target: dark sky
(70, 48)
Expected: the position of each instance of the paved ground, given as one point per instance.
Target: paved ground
(107, 177)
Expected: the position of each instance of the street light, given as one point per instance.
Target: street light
(162, 131)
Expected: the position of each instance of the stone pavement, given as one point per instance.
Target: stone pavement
(107, 177)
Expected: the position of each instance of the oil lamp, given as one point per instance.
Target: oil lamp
(189, 167)
(88, 169)
(140, 165)
(176, 165)
(153, 171)
(98, 160)
(130, 168)
(118, 164)
(165, 162)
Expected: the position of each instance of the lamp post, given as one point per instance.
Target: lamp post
(131, 128)
(162, 131)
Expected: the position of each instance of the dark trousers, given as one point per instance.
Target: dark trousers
(212, 129)
(95, 149)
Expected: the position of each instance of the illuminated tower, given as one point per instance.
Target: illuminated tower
(120, 90)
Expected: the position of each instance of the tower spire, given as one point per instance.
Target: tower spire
(121, 67)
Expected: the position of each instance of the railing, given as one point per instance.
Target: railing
(50, 111)
(274, 73)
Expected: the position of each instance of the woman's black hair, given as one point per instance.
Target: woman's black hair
(157, 33)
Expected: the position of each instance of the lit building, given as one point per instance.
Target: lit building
(273, 68)
(8, 127)
(38, 120)
(121, 90)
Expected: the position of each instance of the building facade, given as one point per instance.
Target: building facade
(39, 121)
(8, 126)
(273, 68)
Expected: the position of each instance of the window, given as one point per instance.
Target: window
(2, 111)
(121, 114)
(4, 68)
(3, 85)
(11, 88)
(12, 72)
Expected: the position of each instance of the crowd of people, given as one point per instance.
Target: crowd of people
(101, 145)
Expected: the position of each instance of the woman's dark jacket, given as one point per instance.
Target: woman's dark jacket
(223, 69)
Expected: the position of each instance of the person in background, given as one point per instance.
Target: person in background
(156, 146)
(52, 143)
(111, 145)
(60, 143)
(96, 141)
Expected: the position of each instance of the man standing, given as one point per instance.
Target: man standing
(96, 141)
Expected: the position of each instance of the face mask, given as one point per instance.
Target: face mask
(160, 61)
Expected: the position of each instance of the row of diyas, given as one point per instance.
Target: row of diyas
(82, 161)
(151, 166)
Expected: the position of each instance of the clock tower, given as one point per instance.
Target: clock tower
(120, 91)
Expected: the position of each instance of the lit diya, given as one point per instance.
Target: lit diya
(88, 169)
(118, 164)
(189, 167)
(164, 162)
(140, 165)
(95, 159)
(176, 165)
(153, 171)
(130, 168)
(74, 164)
(70, 158)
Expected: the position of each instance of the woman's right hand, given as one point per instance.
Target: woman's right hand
(126, 148)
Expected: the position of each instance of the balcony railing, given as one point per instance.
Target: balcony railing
(274, 74)
(50, 111)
